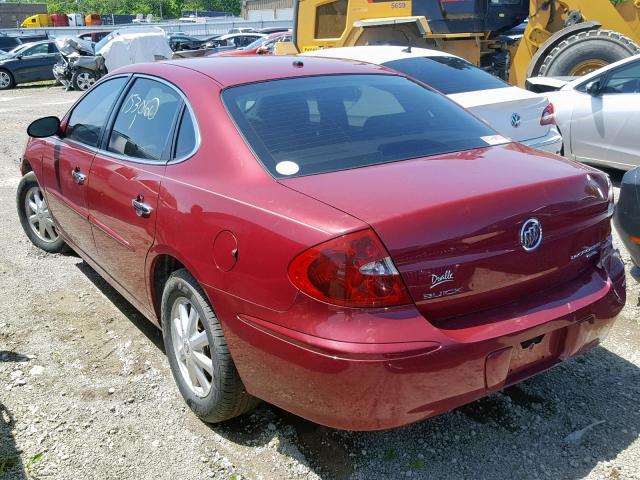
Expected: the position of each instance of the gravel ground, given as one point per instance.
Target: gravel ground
(86, 392)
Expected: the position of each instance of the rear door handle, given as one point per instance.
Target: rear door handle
(78, 176)
(142, 209)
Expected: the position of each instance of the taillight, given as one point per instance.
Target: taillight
(548, 115)
(354, 270)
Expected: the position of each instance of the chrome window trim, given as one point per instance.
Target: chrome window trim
(171, 161)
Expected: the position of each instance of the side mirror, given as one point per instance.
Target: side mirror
(44, 127)
(19, 57)
(262, 50)
(593, 88)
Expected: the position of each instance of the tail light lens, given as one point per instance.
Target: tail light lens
(548, 115)
(354, 270)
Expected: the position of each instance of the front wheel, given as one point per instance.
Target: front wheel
(6, 80)
(198, 354)
(83, 79)
(35, 217)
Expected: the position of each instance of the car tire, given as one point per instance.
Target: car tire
(585, 52)
(216, 395)
(35, 218)
(7, 81)
(83, 79)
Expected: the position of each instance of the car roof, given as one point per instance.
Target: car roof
(377, 54)
(228, 71)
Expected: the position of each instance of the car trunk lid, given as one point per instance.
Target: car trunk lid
(513, 112)
(452, 223)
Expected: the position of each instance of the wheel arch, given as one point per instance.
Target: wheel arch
(162, 265)
(553, 41)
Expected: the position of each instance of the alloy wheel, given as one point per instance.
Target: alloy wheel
(191, 347)
(5, 80)
(85, 80)
(39, 217)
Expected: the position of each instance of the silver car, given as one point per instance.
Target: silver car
(599, 115)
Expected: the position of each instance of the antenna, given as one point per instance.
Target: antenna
(406, 37)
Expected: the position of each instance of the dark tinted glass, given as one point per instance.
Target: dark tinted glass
(321, 124)
(447, 74)
(624, 80)
(186, 136)
(90, 115)
(144, 121)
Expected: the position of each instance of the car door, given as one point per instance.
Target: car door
(27, 64)
(604, 124)
(67, 163)
(126, 175)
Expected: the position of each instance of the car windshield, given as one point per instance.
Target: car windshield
(104, 41)
(255, 44)
(312, 125)
(447, 74)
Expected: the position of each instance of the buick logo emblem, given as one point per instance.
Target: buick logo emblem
(531, 234)
(515, 120)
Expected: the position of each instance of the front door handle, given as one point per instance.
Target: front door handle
(142, 209)
(78, 176)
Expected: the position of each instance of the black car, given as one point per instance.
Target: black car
(179, 42)
(627, 215)
(31, 62)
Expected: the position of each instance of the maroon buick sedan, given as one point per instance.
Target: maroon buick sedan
(328, 236)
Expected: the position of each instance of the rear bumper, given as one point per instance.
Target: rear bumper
(372, 386)
(552, 142)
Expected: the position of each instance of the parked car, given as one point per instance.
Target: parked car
(31, 62)
(599, 113)
(514, 112)
(179, 42)
(233, 40)
(82, 62)
(94, 37)
(261, 46)
(329, 236)
(627, 214)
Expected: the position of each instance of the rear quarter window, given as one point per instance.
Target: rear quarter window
(449, 75)
(311, 125)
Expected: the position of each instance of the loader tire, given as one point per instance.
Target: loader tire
(585, 52)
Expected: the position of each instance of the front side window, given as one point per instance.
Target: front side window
(331, 19)
(90, 115)
(37, 50)
(447, 74)
(143, 124)
(311, 125)
(624, 80)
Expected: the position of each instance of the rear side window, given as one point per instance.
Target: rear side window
(145, 119)
(90, 115)
(186, 142)
(320, 124)
(447, 74)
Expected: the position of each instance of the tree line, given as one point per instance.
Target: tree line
(169, 8)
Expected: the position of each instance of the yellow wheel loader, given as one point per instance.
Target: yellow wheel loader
(513, 39)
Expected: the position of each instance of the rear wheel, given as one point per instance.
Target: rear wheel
(6, 80)
(35, 217)
(585, 52)
(83, 79)
(198, 354)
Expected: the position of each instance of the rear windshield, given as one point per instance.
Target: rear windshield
(447, 74)
(310, 125)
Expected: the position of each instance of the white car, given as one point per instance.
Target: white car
(515, 113)
(599, 114)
